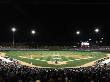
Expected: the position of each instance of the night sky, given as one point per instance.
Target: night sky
(55, 21)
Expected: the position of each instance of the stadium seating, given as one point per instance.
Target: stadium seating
(14, 72)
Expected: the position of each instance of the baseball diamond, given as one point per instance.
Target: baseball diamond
(57, 59)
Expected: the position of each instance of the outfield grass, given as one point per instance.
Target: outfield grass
(50, 55)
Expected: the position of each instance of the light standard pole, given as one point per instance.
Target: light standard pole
(78, 33)
(33, 32)
(13, 30)
(96, 31)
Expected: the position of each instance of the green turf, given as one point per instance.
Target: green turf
(42, 61)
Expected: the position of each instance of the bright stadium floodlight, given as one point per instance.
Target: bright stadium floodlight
(13, 30)
(90, 39)
(78, 32)
(33, 32)
(101, 41)
(96, 30)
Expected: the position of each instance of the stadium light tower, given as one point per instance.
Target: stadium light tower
(33, 32)
(102, 38)
(77, 32)
(96, 30)
(90, 39)
(13, 30)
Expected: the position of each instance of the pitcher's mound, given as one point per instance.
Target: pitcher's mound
(58, 63)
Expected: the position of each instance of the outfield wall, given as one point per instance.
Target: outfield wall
(103, 49)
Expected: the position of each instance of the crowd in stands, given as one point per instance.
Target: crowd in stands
(14, 72)
(100, 61)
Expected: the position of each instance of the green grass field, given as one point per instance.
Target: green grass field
(41, 58)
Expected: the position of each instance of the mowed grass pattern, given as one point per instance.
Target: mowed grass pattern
(45, 56)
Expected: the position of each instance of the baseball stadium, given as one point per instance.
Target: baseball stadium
(35, 64)
(56, 59)
(54, 41)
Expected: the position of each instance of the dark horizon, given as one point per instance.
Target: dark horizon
(55, 22)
